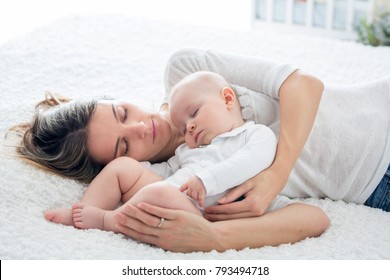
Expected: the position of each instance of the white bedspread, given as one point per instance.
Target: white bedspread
(124, 57)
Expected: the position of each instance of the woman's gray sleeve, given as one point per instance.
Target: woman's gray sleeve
(254, 73)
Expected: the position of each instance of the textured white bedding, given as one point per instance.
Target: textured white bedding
(124, 57)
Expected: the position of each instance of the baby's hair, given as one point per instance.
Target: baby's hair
(204, 80)
(56, 138)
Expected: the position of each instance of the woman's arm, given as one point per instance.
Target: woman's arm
(185, 232)
(300, 96)
(254, 73)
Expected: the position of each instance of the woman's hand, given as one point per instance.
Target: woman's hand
(258, 192)
(179, 232)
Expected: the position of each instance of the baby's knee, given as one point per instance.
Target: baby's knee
(164, 195)
(158, 193)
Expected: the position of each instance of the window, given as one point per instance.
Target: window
(332, 17)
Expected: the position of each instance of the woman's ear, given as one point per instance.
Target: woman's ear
(229, 96)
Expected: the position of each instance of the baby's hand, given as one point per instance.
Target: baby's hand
(195, 189)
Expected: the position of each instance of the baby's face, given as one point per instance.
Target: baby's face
(199, 116)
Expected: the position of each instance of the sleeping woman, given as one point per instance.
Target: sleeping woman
(322, 152)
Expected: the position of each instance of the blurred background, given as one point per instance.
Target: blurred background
(365, 20)
(22, 16)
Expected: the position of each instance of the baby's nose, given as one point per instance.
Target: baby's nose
(190, 128)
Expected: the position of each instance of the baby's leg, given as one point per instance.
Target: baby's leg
(103, 191)
(159, 194)
(60, 216)
(122, 177)
(164, 195)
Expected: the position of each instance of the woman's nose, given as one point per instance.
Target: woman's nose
(137, 129)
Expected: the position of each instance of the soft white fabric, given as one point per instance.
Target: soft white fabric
(125, 58)
(321, 170)
(228, 161)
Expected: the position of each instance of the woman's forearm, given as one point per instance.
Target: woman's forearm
(287, 225)
(300, 96)
(185, 232)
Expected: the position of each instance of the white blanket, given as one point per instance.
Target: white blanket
(124, 57)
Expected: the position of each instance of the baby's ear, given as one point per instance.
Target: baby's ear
(229, 96)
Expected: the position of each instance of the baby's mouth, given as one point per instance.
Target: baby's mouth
(197, 136)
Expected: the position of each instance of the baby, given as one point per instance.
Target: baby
(220, 150)
(219, 153)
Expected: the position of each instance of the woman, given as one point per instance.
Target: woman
(113, 129)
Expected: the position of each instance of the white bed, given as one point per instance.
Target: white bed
(124, 57)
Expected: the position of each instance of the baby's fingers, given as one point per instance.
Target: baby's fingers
(183, 188)
(200, 198)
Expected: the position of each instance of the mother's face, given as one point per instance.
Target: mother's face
(122, 129)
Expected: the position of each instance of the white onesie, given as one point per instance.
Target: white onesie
(229, 160)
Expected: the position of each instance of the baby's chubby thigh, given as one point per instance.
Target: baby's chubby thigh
(165, 195)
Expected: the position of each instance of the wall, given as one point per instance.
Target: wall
(22, 16)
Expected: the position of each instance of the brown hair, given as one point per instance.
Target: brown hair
(56, 138)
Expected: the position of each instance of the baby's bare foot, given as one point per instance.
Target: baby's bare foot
(60, 216)
(86, 217)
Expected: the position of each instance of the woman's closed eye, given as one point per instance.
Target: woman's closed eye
(126, 114)
(123, 112)
(126, 146)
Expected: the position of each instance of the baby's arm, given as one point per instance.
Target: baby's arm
(256, 155)
(195, 189)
